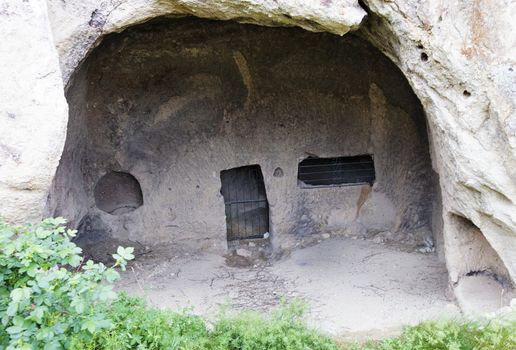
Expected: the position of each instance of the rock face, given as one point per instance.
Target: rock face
(175, 102)
(33, 110)
(78, 26)
(457, 56)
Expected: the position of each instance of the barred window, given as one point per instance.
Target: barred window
(338, 171)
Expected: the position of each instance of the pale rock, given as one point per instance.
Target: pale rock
(78, 26)
(33, 110)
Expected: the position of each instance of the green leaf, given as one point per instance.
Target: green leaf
(104, 324)
(89, 325)
(12, 309)
(106, 293)
(19, 294)
(14, 329)
(38, 313)
(71, 233)
(75, 261)
(44, 333)
(52, 345)
(126, 253)
(56, 221)
(42, 233)
(111, 275)
(78, 305)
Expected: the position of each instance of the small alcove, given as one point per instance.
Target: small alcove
(118, 193)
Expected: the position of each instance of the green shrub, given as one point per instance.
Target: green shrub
(136, 326)
(283, 330)
(498, 333)
(46, 293)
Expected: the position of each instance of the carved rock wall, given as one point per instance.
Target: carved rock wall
(174, 102)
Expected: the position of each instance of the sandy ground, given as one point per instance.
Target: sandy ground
(350, 286)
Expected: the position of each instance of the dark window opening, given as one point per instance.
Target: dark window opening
(247, 209)
(336, 171)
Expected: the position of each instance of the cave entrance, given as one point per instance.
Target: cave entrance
(339, 136)
(168, 123)
(245, 200)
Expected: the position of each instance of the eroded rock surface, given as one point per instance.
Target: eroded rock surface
(175, 102)
(79, 26)
(459, 59)
(33, 110)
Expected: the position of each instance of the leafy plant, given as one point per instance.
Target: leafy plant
(47, 294)
(284, 329)
(496, 333)
(137, 326)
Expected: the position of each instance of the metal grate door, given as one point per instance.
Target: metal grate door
(247, 209)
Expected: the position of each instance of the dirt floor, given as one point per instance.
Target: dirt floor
(350, 286)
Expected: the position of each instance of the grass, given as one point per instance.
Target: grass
(137, 326)
(497, 334)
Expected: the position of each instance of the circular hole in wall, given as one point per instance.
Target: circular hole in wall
(424, 57)
(118, 193)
